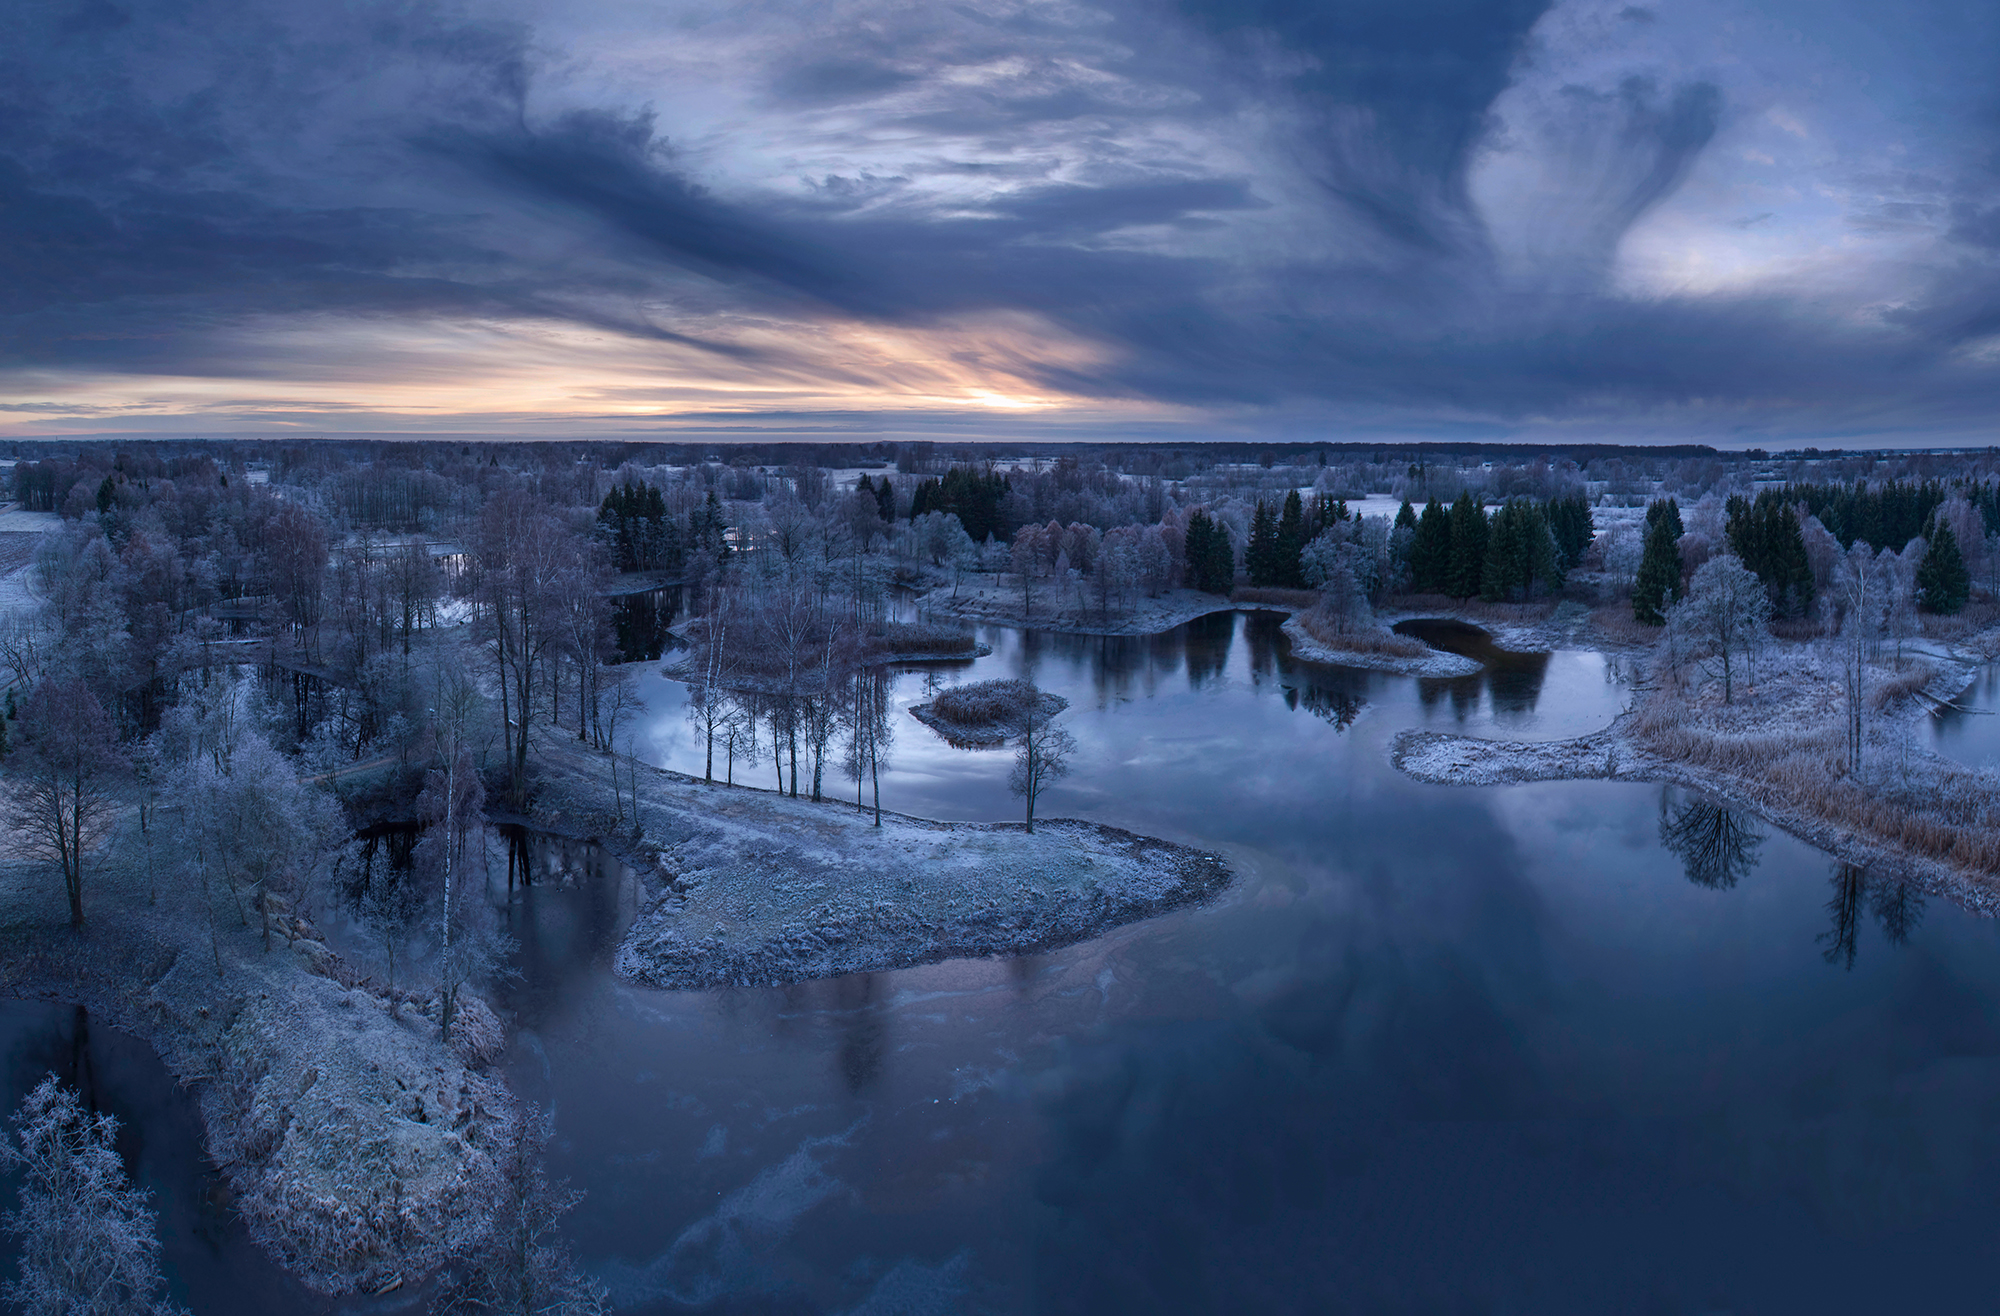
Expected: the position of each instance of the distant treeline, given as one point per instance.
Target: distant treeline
(1887, 515)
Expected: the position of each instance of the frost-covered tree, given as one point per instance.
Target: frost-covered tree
(526, 1269)
(1726, 614)
(1864, 595)
(88, 1240)
(1041, 755)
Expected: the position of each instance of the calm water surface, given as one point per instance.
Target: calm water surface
(208, 1256)
(1493, 1050)
(1972, 738)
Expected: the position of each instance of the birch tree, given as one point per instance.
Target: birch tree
(1863, 595)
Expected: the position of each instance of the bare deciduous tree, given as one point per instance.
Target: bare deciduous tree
(1041, 756)
(62, 799)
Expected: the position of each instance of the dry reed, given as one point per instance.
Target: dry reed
(1283, 598)
(1928, 806)
(1359, 639)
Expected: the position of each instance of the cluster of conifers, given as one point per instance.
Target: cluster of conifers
(1465, 551)
(1767, 534)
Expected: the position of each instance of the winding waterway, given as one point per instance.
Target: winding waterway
(1437, 1049)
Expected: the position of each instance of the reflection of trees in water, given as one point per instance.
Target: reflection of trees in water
(1515, 680)
(858, 1017)
(640, 621)
(1339, 707)
(1850, 885)
(1512, 680)
(1262, 632)
(1897, 906)
(1207, 641)
(1717, 846)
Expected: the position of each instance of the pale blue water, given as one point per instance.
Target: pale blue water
(1972, 738)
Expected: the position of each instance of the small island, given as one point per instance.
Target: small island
(987, 714)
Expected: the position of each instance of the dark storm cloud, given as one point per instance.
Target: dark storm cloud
(170, 172)
(1398, 95)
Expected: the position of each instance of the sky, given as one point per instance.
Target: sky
(1742, 224)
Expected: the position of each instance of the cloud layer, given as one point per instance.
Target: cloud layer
(1427, 217)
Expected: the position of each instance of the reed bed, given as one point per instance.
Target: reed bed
(1301, 599)
(1926, 805)
(1360, 639)
(921, 637)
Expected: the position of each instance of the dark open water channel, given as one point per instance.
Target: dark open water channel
(1437, 1050)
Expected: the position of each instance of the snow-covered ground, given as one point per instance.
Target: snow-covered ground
(751, 887)
(359, 1148)
(1435, 662)
(19, 533)
(1767, 752)
(12, 518)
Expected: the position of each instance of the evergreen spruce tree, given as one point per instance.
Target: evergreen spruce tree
(1468, 547)
(1943, 582)
(1257, 553)
(1520, 551)
(1289, 543)
(1570, 522)
(1406, 516)
(1430, 550)
(1500, 571)
(885, 501)
(1667, 510)
(1211, 563)
(1659, 579)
